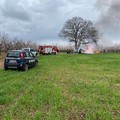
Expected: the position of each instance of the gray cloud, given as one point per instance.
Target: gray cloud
(41, 19)
(109, 19)
(13, 9)
(109, 13)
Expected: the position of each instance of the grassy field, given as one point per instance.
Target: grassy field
(63, 87)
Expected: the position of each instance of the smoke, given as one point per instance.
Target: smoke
(109, 20)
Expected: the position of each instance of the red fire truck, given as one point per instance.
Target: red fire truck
(45, 50)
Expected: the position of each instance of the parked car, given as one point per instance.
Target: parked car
(19, 59)
(30, 50)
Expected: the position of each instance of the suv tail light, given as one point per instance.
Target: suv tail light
(6, 60)
(21, 55)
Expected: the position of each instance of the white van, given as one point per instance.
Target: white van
(31, 50)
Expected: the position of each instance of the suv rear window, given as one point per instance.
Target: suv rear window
(32, 50)
(15, 54)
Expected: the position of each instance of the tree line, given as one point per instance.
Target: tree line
(111, 49)
(6, 43)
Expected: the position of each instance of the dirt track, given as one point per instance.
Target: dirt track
(2, 57)
(1, 64)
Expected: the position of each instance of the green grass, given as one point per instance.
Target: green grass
(63, 87)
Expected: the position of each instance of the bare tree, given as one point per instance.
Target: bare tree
(79, 31)
(3, 40)
(7, 45)
(1, 43)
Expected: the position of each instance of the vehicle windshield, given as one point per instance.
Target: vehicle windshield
(15, 54)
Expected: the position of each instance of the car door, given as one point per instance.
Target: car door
(32, 59)
(27, 58)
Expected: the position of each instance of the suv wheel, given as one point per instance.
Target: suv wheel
(36, 64)
(5, 68)
(25, 68)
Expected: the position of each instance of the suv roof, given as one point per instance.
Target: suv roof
(15, 50)
(27, 48)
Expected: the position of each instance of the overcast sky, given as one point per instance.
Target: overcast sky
(41, 20)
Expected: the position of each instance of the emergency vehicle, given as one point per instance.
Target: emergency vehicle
(45, 50)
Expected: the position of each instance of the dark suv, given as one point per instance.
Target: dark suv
(19, 59)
